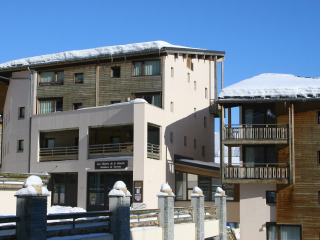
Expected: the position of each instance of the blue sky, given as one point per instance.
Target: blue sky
(257, 36)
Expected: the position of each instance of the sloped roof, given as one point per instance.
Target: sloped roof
(95, 53)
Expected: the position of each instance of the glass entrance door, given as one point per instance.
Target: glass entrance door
(100, 184)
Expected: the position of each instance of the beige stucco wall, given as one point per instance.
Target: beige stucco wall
(146, 233)
(254, 211)
(15, 129)
(180, 121)
(184, 231)
(211, 228)
(8, 202)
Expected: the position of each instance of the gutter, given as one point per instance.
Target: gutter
(222, 101)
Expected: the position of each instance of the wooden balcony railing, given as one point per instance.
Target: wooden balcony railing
(59, 153)
(256, 171)
(112, 149)
(153, 151)
(255, 132)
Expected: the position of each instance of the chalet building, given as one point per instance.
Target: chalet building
(278, 134)
(127, 112)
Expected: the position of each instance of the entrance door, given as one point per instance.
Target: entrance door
(100, 184)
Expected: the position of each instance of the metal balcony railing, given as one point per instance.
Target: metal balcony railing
(59, 153)
(112, 149)
(153, 151)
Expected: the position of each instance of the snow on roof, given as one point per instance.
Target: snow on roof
(89, 54)
(273, 85)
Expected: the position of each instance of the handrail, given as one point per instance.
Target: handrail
(8, 219)
(146, 214)
(59, 151)
(207, 211)
(255, 164)
(255, 131)
(178, 211)
(111, 147)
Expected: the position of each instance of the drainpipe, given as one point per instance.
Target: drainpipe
(30, 114)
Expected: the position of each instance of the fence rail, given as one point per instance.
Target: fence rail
(153, 151)
(210, 212)
(183, 214)
(101, 150)
(98, 222)
(255, 131)
(59, 153)
(145, 217)
(256, 171)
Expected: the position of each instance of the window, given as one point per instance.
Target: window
(171, 137)
(20, 145)
(203, 151)
(176, 55)
(195, 143)
(206, 93)
(172, 72)
(189, 62)
(146, 68)
(154, 98)
(115, 72)
(318, 116)
(171, 106)
(49, 142)
(51, 78)
(271, 196)
(188, 77)
(318, 157)
(185, 141)
(50, 105)
(77, 106)
(21, 112)
(78, 78)
(195, 85)
(205, 122)
(257, 154)
(283, 232)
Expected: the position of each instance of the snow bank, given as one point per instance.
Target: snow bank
(89, 54)
(273, 85)
(64, 209)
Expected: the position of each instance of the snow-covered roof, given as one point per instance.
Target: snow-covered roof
(94, 53)
(273, 85)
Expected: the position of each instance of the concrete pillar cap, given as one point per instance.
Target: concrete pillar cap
(32, 186)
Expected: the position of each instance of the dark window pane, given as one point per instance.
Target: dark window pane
(96, 178)
(58, 178)
(271, 197)
(116, 72)
(72, 178)
(181, 181)
(204, 184)
(59, 106)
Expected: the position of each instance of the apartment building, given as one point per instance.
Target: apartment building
(278, 134)
(92, 117)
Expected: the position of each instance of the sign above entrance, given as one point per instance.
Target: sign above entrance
(111, 164)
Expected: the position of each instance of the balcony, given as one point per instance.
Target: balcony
(235, 134)
(111, 149)
(59, 145)
(59, 153)
(213, 108)
(277, 173)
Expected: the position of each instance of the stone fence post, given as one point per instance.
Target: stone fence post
(32, 210)
(197, 202)
(119, 205)
(166, 206)
(221, 203)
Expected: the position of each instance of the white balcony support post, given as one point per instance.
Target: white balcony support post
(229, 137)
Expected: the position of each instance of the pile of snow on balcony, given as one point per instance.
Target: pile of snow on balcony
(273, 85)
(92, 53)
(32, 186)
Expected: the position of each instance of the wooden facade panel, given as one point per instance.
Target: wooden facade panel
(110, 89)
(298, 204)
(62, 138)
(3, 94)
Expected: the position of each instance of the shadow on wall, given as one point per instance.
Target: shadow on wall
(191, 137)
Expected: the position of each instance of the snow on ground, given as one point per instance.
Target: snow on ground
(64, 209)
(90, 54)
(273, 85)
(92, 235)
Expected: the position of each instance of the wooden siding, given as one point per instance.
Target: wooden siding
(297, 204)
(62, 138)
(110, 89)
